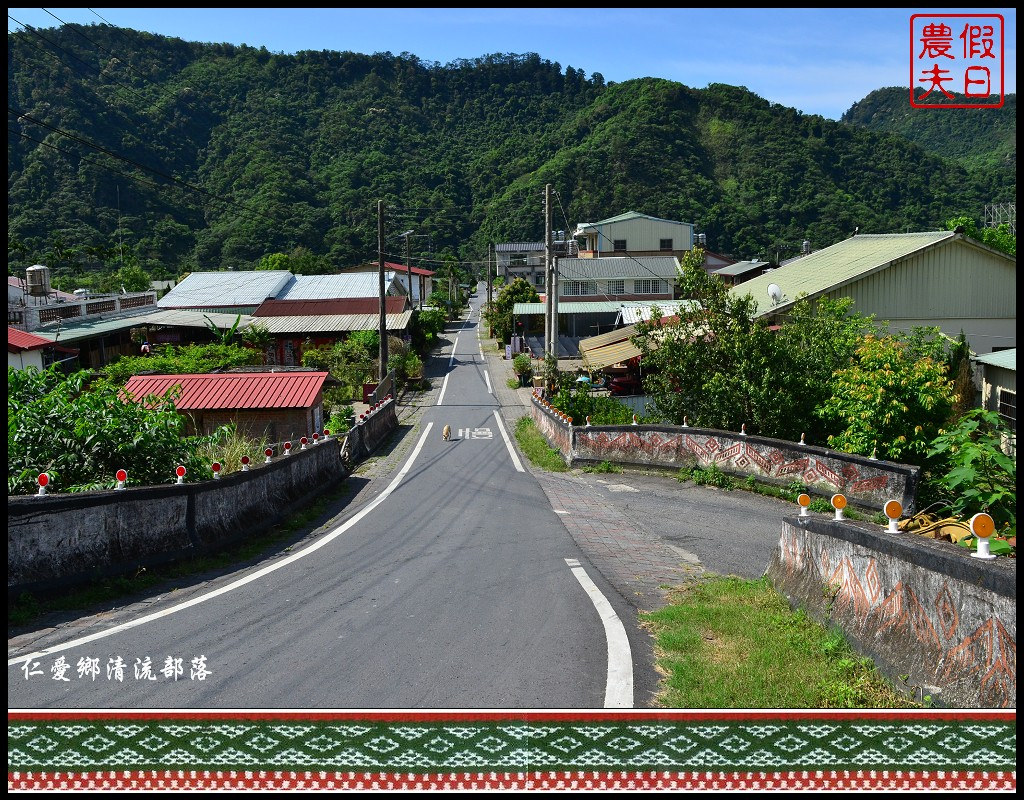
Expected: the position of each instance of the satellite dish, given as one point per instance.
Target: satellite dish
(775, 293)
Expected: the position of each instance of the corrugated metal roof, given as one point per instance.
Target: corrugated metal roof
(614, 353)
(606, 338)
(389, 266)
(334, 287)
(18, 340)
(233, 391)
(831, 268)
(336, 307)
(625, 218)
(335, 323)
(614, 267)
(594, 307)
(740, 267)
(245, 288)
(85, 329)
(1006, 359)
(69, 331)
(518, 247)
(633, 314)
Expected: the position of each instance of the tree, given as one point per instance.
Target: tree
(892, 400)
(81, 434)
(998, 238)
(499, 317)
(720, 366)
(975, 471)
(273, 261)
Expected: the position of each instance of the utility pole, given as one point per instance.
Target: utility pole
(383, 371)
(549, 322)
(490, 283)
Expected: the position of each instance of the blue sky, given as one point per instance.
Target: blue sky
(819, 61)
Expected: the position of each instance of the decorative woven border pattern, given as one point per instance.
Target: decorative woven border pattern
(671, 750)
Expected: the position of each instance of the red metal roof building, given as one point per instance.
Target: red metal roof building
(28, 350)
(279, 405)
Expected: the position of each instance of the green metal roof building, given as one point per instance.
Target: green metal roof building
(936, 278)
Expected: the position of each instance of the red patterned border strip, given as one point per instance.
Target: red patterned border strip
(267, 780)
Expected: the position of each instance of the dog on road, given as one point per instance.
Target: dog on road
(446, 434)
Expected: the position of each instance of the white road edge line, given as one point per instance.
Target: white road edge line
(619, 687)
(508, 444)
(323, 541)
(444, 385)
(487, 378)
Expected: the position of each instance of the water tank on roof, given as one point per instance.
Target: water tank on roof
(806, 247)
(702, 239)
(37, 281)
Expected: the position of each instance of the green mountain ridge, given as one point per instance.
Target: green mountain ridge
(208, 156)
(974, 137)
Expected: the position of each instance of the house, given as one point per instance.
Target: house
(634, 234)
(297, 325)
(593, 291)
(939, 278)
(28, 350)
(422, 280)
(526, 259)
(242, 292)
(741, 271)
(999, 388)
(281, 406)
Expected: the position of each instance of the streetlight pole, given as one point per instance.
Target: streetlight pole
(383, 370)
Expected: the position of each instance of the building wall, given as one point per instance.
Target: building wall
(278, 425)
(643, 236)
(958, 286)
(25, 358)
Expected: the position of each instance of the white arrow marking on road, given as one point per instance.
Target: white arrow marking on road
(327, 539)
(508, 444)
(619, 687)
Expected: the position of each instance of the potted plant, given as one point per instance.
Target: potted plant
(523, 367)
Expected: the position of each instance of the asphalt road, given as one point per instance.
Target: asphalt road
(452, 584)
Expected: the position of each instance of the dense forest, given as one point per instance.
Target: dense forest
(212, 156)
(974, 137)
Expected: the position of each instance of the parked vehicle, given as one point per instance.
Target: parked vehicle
(625, 385)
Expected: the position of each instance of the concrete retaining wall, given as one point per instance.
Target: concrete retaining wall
(865, 482)
(917, 607)
(61, 540)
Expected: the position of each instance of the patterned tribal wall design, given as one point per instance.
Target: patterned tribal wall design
(941, 631)
(864, 481)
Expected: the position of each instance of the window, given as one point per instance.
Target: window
(539, 278)
(616, 287)
(1008, 413)
(577, 288)
(517, 259)
(620, 245)
(1008, 408)
(666, 244)
(648, 286)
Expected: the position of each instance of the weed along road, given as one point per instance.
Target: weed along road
(453, 585)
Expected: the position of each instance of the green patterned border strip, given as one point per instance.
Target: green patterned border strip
(425, 746)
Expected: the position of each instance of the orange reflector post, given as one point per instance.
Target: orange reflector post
(804, 500)
(893, 509)
(982, 525)
(838, 502)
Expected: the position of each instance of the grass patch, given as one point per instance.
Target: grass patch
(28, 607)
(733, 643)
(603, 467)
(536, 448)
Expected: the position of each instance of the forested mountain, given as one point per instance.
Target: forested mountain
(208, 156)
(974, 137)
